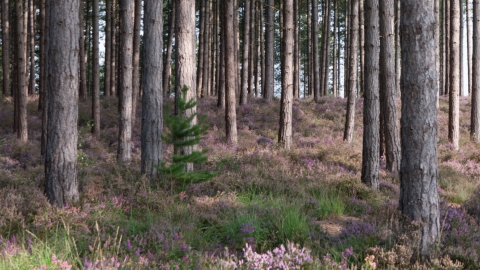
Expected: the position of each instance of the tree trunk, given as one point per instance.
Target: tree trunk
(388, 86)
(5, 48)
(113, 76)
(419, 169)
(361, 35)
(96, 73)
(315, 54)
(398, 57)
(371, 110)
(207, 51)
(326, 51)
(352, 72)
(167, 66)
(221, 61)
(475, 119)
(453, 113)
(61, 181)
(152, 100)
(83, 57)
(201, 47)
(448, 46)
(231, 72)
(269, 51)
(469, 46)
(252, 58)
(108, 50)
(22, 132)
(41, 84)
(335, 35)
(31, 45)
(44, 77)
(127, 9)
(285, 131)
(136, 58)
(296, 51)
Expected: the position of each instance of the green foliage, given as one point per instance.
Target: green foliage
(182, 132)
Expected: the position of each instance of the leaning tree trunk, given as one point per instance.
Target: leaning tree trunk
(152, 98)
(352, 72)
(388, 86)
(185, 60)
(475, 119)
(419, 168)
(127, 8)
(22, 130)
(61, 181)
(285, 131)
(371, 109)
(5, 48)
(95, 73)
(269, 52)
(230, 72)
(453, 113)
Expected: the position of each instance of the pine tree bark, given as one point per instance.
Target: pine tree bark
(96, 72)
(335, 35)
(453, 113)
(31, 46)
(6, 47)
(44, 78)
(352, 72)
(285, 130)
(296, 51)
(469, 46)
(108, 49)
(419, 168)
(167, 66)
(388, 86)
(269, 51)
(114, 60)
(152, 99)
(326, 50)
(475, 117)
(61, 180)
(136, 58)
(361, 35)
(201, 47)
(21, 44)
(315, 54)
(230, 72)
(252, 58)
(127, 9)
(42, 60)
(221, 61)
(371, 110)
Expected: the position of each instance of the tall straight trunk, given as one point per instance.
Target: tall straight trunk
(127, 10)
(41, 84)
(469, 46)
(441, 71)
(230, 72)
(448, 44)
(21, 44)
(61, 180)
(262, 46)
(257, 47)
(461, 48)
(285, 130)
(136, 59)
(453, 113)
(335, 35)
(296, 51)
(352, 72)
(201, 47)
(95, 72)
(346, 48)
(315, 54)
(419, 168)
(152, 98)
(388, 86)
(398, 57)
(5, 48)
(475, 117)
(269, 51)
(185, 61)
(31, 45)
(207, 51)
(252, 58)
(114, 64)
(371, 110)
(326, 50)
(310, 47)
(361, 35)
(167, 66)
(108, 50)
(437, 50)
(83, 62)
(44, 78)
(221, 60)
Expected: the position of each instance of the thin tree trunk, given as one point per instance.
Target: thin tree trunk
(448, 46)
(152, 100)
(453, 113)
(398, 57)
(44, 77)
(315, 54)
(42, 60)
(221, 61)
(83, 57)
(206, 55)
(31, 46)
(252, 50)
(230, 72)
(136, 58)
(475, 118)
(167, 66)
(352, 73)
(361, 75)
(61, 180)
(388, 86)
(5, 48)
(96, 72)
(201, 47)
(326, 52)
(335, 35)
(269, 51)
(127, 10)
(296, 51)
(108, 50)
(113, 76)
(469, 46)
(437, 51)
(285, 130)
(22, 132)
(419, 169)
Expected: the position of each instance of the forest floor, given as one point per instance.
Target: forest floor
(265, 207)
